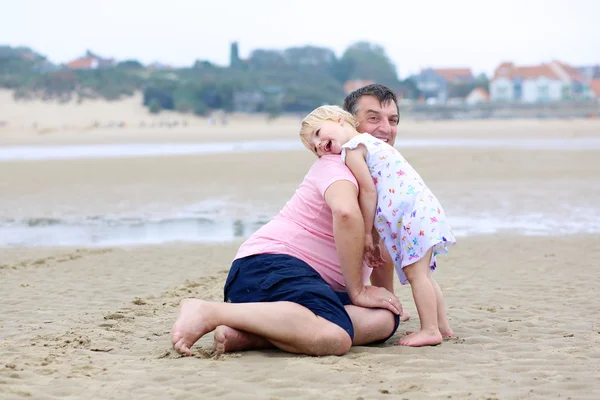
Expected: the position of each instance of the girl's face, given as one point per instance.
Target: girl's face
(329, 137)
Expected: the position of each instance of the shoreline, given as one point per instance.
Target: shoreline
(157, 149)
(101, 233)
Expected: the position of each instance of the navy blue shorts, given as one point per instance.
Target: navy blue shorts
(279, 277)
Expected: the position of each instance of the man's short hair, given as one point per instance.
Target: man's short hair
(381, 92)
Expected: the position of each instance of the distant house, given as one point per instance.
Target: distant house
(90, 61)
(595, 88)
(434, 83)
(590, 72)
(477, 95)
(29, 55)
(552, 81)
(46, 66)
(352, 85)
(266, 98)
(157, 66)
(248, 102)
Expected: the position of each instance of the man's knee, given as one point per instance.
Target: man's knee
(386, 323)
(372, 325)
(331, 341)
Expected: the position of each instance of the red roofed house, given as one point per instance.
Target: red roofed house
(455, 75)
(351, 86)
(595, 86)
(552, 81)
(90, 61)
(434, 83)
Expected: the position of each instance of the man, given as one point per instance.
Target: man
(298, 282)
(376, 109)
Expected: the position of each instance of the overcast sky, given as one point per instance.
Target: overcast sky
(415, 33)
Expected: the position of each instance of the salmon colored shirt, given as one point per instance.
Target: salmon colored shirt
(304, 227)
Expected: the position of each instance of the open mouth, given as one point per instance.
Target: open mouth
(328, 146)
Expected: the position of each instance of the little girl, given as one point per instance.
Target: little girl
(396, 202)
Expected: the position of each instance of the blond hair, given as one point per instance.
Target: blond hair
(317, 117)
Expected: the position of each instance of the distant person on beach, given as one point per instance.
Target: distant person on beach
(299, 282)
(398, 209)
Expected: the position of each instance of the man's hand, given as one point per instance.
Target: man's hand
(377, 297)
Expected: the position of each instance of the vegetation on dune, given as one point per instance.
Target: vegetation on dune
(296, 79)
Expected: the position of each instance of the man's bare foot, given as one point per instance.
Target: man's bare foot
(405, 316)
(227, 339)
(421, 338)
(193, 323)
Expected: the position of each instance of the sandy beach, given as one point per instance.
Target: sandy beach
(43, 123)
(94, 322)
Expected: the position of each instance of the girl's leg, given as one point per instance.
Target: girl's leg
(443, 324)
(426, 301)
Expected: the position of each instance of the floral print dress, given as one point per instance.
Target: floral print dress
(409, 218)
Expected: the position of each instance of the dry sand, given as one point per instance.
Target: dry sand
(94, 323)
(96, 122)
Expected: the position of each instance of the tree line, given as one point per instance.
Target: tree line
(296, 79)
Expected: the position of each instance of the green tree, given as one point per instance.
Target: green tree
(310, 56)
(342, 69)
(154, 106)
(200, 108)
(482, 81)
(409, 87)
(261, 58)
(132, 65)
(369, 61)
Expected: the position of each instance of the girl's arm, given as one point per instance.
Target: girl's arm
(367, 195)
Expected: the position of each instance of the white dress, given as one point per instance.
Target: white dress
(409, 218)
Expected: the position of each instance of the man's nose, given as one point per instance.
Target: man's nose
(385, 127)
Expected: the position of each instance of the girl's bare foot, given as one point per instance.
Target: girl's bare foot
(194, 321)
(446, 332)
(421, 338)
(227, 339)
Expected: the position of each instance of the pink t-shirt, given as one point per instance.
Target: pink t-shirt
(304, 227)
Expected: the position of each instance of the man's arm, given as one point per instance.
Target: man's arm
(348, 232)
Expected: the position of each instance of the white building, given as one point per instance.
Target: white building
(553, 81)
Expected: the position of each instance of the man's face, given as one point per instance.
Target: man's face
(379, 120)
